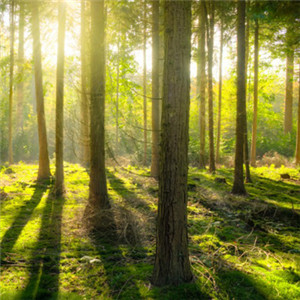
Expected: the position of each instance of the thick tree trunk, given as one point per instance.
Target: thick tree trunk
(172, 258)
(155, 90)
(255, 99)
(220, 93)
(84, 101)
(98, 197)
(298, 125)
(238, 185)
(44, 169)
(11, 80)
(145, 84)
(59, 133)
(202, 83)
(20, 85)
(288, 115)
(210, 47)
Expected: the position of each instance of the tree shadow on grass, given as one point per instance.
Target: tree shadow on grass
(11, 235)
(43, 280)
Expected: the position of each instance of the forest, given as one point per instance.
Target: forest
(150, 149)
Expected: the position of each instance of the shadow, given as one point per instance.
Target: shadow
(44, 266)
(11, 235)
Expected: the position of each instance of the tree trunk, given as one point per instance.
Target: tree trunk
(117, 97)
(155, 90)
(298, 125)
(145, 84)
(220, 94)
(172, 258)
(288, 116)
(202, 82)
(84, 101)
(44, 169)
(59, 132)
(210, 47)
(20, 85)
(238, 185)
(255, 99)
(11, 80)
(98, 197)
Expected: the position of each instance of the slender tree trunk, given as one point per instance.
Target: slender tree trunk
(59, 133)
(238, 185)
(288, 116)
(145, 84)
(220, 93)
(298, 125)
(210, 47)
(172, 258)
(117, 96)
(155, 90)
(20, 85)
(84, 101)
(11, 80)
(44, 168)
(202, 82)
(255, 99)
(98, 197)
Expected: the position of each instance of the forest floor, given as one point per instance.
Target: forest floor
(240, 247)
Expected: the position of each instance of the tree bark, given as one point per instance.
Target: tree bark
(98, 197)
(117, 96)
(11, 80)
(210, 47)
(84, 100)
(238, 185)
(202, 83)
(155, 90)
(44, 168)
(145, 84)
(172, 258)
(59, 132)
(298, 125)
(255, 99)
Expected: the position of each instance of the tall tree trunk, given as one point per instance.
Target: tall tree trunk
(172, 258)
(155, 89)
(220, 93)
(255, 99)
(201, 76)
(288, 115)
(44, 168)
(20, 85)
(84, 101)
(11, 79)
(298, 125)
(117, 96)
(98, 197)
(59, 133)
(238, 185)
(145, 84)
(210, 49)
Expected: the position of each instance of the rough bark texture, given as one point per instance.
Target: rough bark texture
(202, 83)
(210, 47)
(238, 185)
(172, 258)
(44, 169)
(98, 197)
(59, 122)
(220, 94)
(145, 85)
(84, 101)
(11, 79)
(255, 99)
(298, 125)
(155, 90)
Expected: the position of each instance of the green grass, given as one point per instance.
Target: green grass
(240, 247)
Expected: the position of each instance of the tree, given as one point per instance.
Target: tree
(298, 124)
(44, 168)
(59, 132)
(238, 185)
(98, 197)
(155, 90)
(201, 78)
(145, 82)
(172, 258)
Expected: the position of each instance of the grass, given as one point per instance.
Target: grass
(240, 247)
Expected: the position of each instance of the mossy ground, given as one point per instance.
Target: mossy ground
(240, 247)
